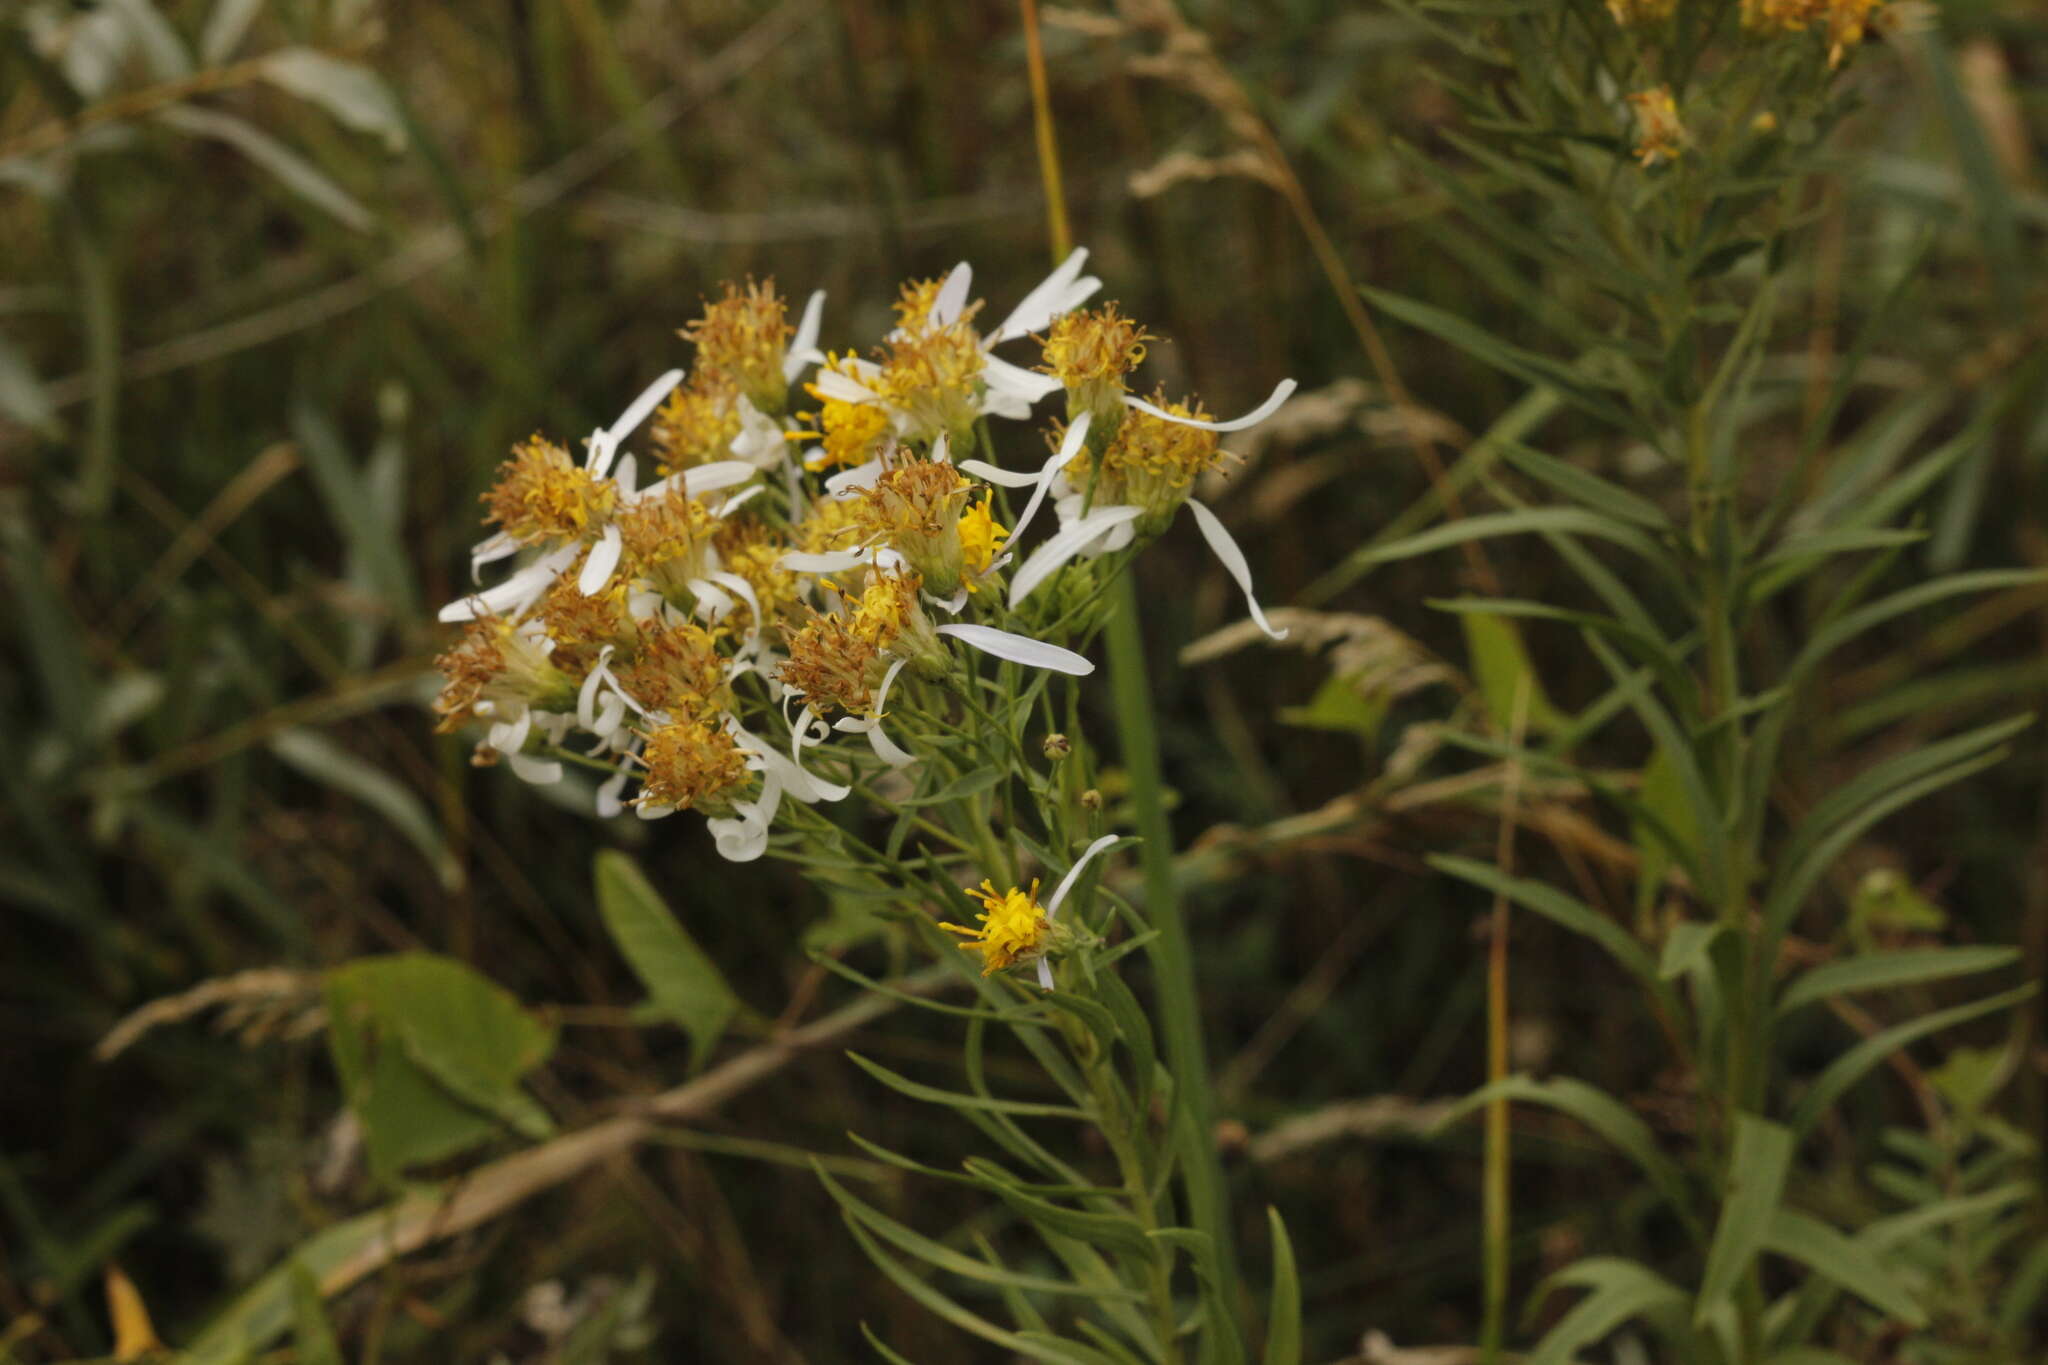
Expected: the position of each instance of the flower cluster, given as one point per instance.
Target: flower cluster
(784, 577)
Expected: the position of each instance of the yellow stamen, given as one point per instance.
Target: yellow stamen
(1012, 927)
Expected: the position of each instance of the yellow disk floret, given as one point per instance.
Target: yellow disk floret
(933, 380)
(543, 495)
(914, 508)
(677, 670)
(848, 433)
(697, 422)
(495, 664)
(1150, 462)
(690, 763)
(1012, 928)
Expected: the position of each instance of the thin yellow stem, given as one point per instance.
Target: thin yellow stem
(1494, 1190)
(1048, 146)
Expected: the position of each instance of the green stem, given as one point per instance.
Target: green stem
(1172, 952)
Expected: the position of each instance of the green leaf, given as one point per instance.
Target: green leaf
(313, 1340)
(1608, 1117)
(1828, 1253)
(1623, 1291)
(1570, 912)
(1880, 971)
(1757, 1168)
(280, 162)
(1858, 1061)
(1586, 488)
(1689, 947)
(1501, 666)
(683, 984)
(22, 394)
(1340, 704)
(1662, 796)
(430, 1055)
(352, 93)
(954, 1099)
(1283, 1309)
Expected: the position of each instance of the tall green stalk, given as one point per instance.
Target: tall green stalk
(1172, 951)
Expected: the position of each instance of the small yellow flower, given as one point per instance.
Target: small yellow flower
(696, 424)
(914, 508)
(1662, 135)
(1090, 352)
(981, 539)
(1013, 927)
(848, 434)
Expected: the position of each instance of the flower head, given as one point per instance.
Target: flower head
(669, 541)
(497, 667)
(543, 496)
(1150, 463)
(981, 538)
(849, 434)
(1661, 135)
(744, 338)
(690, 763)
(1089, 352)
(676, 670)
(1013, 927)
(698, 422)
(914, 507)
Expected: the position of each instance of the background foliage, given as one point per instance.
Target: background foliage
(283, 282)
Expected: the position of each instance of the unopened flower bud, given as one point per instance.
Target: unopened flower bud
(1091, 799)
(1057, 747)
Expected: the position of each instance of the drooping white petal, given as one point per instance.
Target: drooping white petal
(821, 562)
(1026, 385)
(1008, 478)
(1232, 559)
(490, 551)
(1070, 446)
(743, 590)
(509, 736)
(1052, 907)
(1020, 649)
(1070, 541)
(1058, 292)
(647, 810)
(1044, 974)
(713, 602)
(1252, 418)
(540, 772)
(952, 296)
(609, 792)
(586, 696)
(516, 593)
(638, 410)
(950, 605)
(604, 557)
(803, 347)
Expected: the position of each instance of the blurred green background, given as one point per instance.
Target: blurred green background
(281, 282)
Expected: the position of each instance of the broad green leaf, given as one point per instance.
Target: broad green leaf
(1500, 665)
(1283, 1309)
(430, 1055)
(1827, 1252)
(1757, 1168)
(1880, 971)
(1622, 1291)
(1858, 1061)
(332, 766)
(683, 984)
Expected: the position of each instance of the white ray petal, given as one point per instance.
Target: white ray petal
(1070, 541)
(837, 384)
(739, 500)
(597, 452)
(1028, 386)
(490, 551)
(516, 593)
(540, 772)
(952, 296)
(1252, 418)
(1070, 446)
(1008, 478)
(638, 410)
(713, 602)
(626, 474)
(604, 557)
(1233, 560)
(860, 476)
(586, 696)
(1044, 974)
(1055, 294)
(803, 347)
(743, 590)
(1020, 649)
(1052, 907)
(828, 561)
(608, 794)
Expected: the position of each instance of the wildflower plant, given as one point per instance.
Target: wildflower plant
(1662, 191)
(797, 594)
